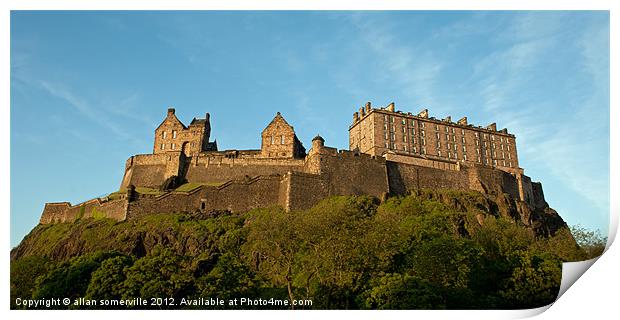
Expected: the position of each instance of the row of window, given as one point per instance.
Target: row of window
(448, 129)
(165, 134)
(172, 146)
(273, 139)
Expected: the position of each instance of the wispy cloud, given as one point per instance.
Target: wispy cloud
(86, 109)
(504, 79)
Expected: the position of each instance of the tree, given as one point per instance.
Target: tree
(160, 274)
(107, 282)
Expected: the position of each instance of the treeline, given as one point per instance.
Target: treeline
(344, 253)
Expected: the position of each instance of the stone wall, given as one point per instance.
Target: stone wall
(303, 190)
(234, 196)
(217, 168)
(96, 208)
(352, 173)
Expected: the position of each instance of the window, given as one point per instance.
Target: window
(510, 164)
(454, 138)
(476, 134)
(478, 159)
(465, 157)
(423, 141)
(437, 134)
(415, 150)
(462, 132)
(174, 134)
(412, 123)
(508, 146)
(503, 156)
(423, 150)
(456, 155)
(437, 127)
(405, 148)
(452, 130)
(163, 146)
(422, 124)
(493, 137)
(385, 118)
(386, 135)
(281, 139)
(439, 153)
(495, 162)
(404, 130)
(172, 146)
(509, 156)
(502, 146)
(501, 139)
(422, 133)
(477, 143)
(463, 139)
(393, 136)
(404, 122)
(464, 149)
(163, 135)
(455, 147)
(504, 162)
(477, 151)
(404, 138)
(413, 132)
(392, 119)
(386, 144)
(446, 129)
(271, 139)
(438, 144)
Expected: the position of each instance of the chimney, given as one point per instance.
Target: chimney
(448, 119)
(170, 111)
(362, 112)
(355, 117)
(423, 113)
(492, 126)
(368, 107)
(391, 107)
(462, 121)
(207, 117)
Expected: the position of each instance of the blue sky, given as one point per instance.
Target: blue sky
(89, 88)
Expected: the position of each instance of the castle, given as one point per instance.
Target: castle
(390, 153)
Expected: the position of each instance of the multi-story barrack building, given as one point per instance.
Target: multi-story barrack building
(377, 131)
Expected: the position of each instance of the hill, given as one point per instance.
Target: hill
(431, 249)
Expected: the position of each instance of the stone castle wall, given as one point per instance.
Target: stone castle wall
(296, 184)
(95, 208)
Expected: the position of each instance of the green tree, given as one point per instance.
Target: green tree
(107, 282)
(160, 274)
(70, 279)
(592, 242)
(24, 273)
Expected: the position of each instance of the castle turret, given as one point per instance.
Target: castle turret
(318, 142)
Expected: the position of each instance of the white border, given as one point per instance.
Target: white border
(594, 295)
